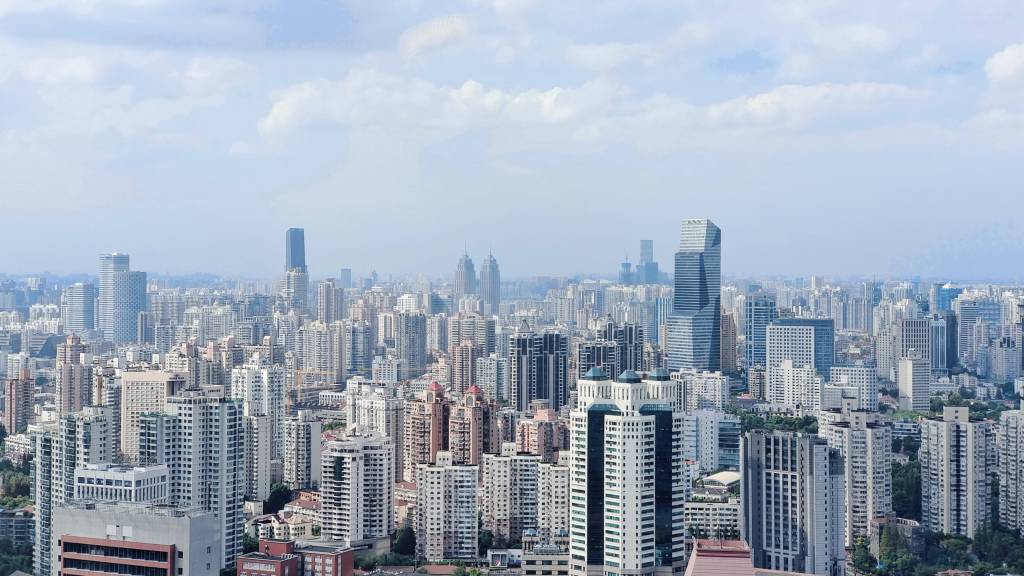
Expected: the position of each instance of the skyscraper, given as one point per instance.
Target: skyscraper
(295, 249)
(760, 312)
(627, 485)
(357, 492)
(411, 341)
(465, 280)
(955, 488)
(695, 324)
(78, 308)
(539, 369)
(490, 286)
(647, 269)
(330, 301)
(122, 297)
(792, 495)
(74, 376)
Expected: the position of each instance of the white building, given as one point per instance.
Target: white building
(446, 510)
(863, 378)
(492, 376)
(509, 493)
(302, 450)
(864, 441)
(1010, 444)
(377, 407)
(954, 456)
(201, 440)
(143, 391)
(800, 386)
(703, 390)
(792, 495)
(553, 497)
(260, 387)
(357, 489)
(713, 510)
(259, 456)
(705, 443)
(626, 444)
(109, 482)
(914, 379)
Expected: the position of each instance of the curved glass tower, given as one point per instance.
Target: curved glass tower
(695, 324)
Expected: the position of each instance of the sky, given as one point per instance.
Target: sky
(823, 137)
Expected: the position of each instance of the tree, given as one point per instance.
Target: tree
(280, 495)
(485, 542)
(460, 570)
(404, 541)
(862, 557)
(906, 489)
(249, 544)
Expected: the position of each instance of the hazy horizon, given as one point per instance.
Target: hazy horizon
(823, 138)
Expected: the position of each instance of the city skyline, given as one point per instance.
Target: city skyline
(895, 146)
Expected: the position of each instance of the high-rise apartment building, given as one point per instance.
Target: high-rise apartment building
(357, 490)
(694, 326)
(728, 346)
(626, 477)
(302, 450)
(377, 407)
(17, 402)
(201, 439)
(142, 392)
(864, 441)
(411, 341)
(1010, 445)
(490, 286)
(259, 386)
(259, 456)
(863, 378)
(805, 341)
(492, 376)
(479, 329)
(792, 495)
(425, 429)
(330, 301)
(955, 472)
(73, 376)
(446, 510)
(464, 358)
(509, 493)
(472, 427)
(539, 369)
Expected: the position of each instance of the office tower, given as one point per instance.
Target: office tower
(969, 309)
(955, 488)
(378, 409)
(358, 348)
(426, 428)
(913, 334)
(509, 493)
(792, 495)
(411, 342)
(74, 441)
(711, 438)
(295, 249)
(143, 391)
(694, 326)
(942, 339)
(702, 390)
(647, 268)
(260, 388)
(538, 369)
(18, 391)
(302, 451)
(864, 441)
(465, 280)
(941, 297)
(629, 344)
(73, 375)
(446, 510)
(492, 376)
(122, 297)
(862, 378)
(1010, 446)
(133, 538)
(728, 346)
(490, 286)
(473, 427)
(259, 456)
(357, 491)
(111, 319)
(805, 341)
(626, 477)
(78, 308)
(479, 329)
(464, 359)
(330, 301)
(200, 439)
(914, 380)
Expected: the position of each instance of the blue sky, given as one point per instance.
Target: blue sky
(822, 136)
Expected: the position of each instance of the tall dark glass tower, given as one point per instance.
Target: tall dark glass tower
(695, 324)
(295, 249)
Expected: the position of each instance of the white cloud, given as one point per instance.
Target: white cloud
(604, 57)
(433, 34)
(61, 69)
(1007, 65)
